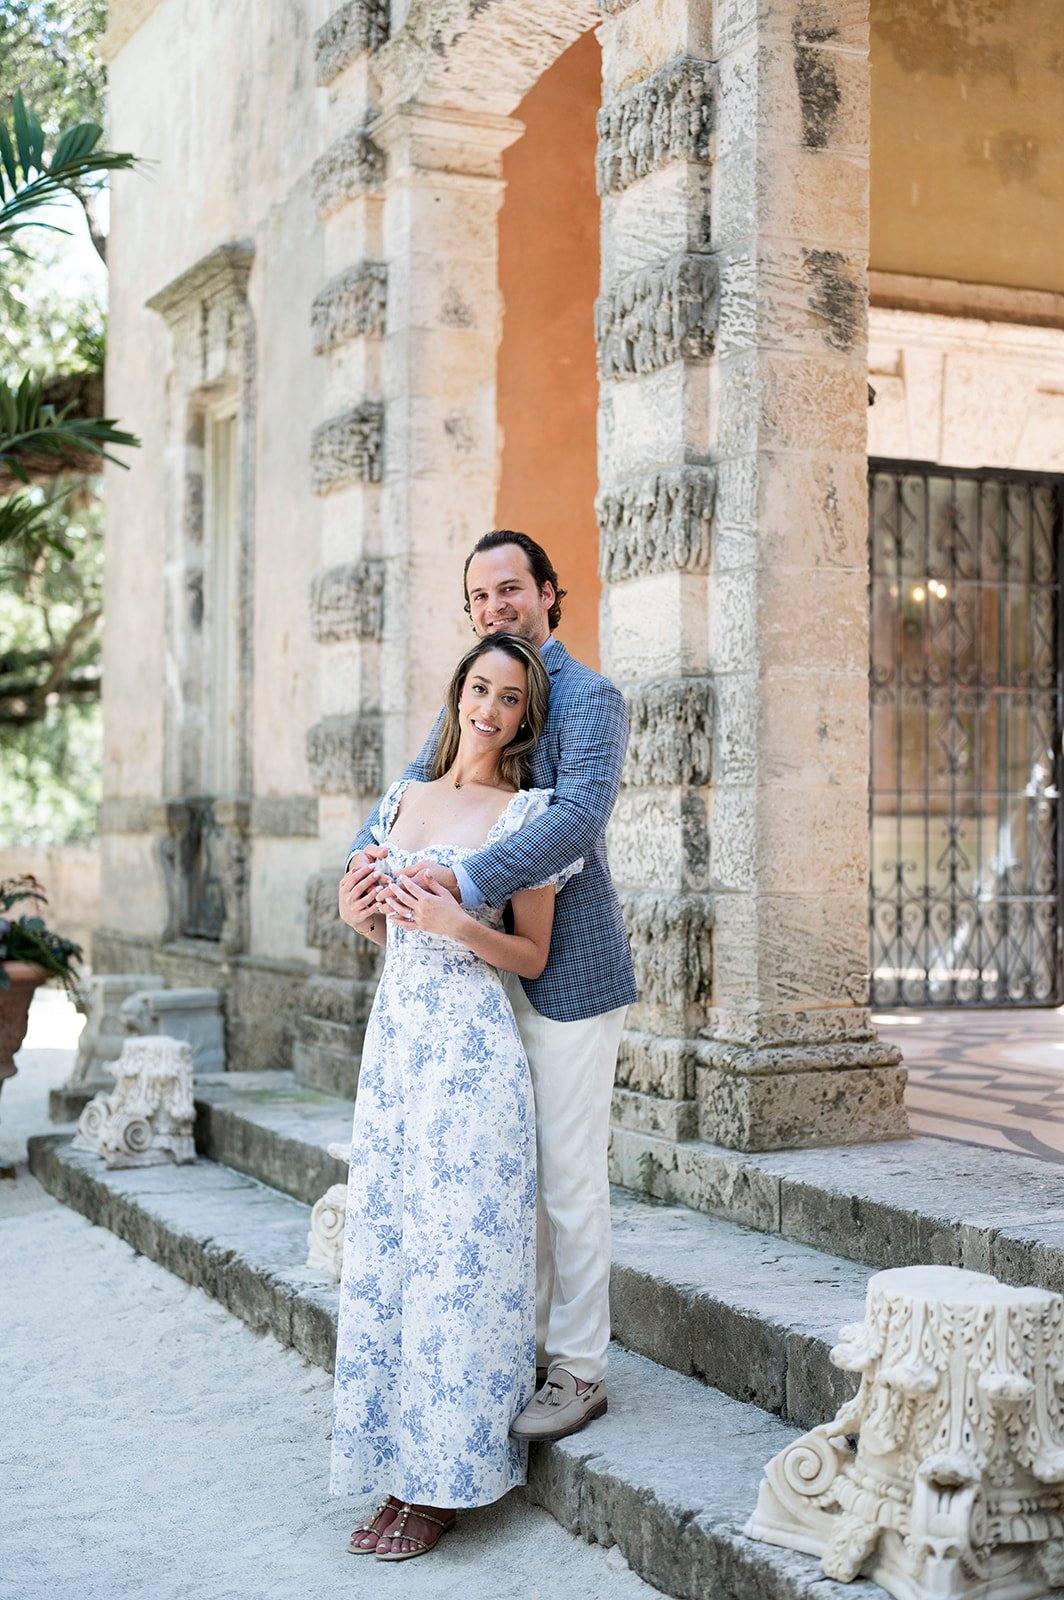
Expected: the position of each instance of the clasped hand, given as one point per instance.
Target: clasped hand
(425, 897)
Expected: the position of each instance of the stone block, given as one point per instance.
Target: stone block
(789, 1110)
(670, 732)
(811, 727)
(344, 755)
(666, 117)
(195, 1016)
(650, 1065)
(100, 998)
(791, 297)
(353, 29)
(777, 401)
(813, 620)
(347, 170)
(737, 714)
(837, 23)
(326, 931)
(660, 837)
(352, 305)
(793, 93)
(672, 950)
(659, 420)
(754, 834)
(347, 602)
(794, 194)
(348, 449)
(669, 213)
(659, 523)
(790, 952)
(658, 316)
(656, 628)
(648, 1113)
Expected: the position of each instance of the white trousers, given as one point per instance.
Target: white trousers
(572, 1066)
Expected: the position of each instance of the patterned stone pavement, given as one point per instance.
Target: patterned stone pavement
(985, 1077)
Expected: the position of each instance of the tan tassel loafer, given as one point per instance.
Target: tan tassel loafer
(556, 1410)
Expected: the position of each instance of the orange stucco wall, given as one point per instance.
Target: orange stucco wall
(547, 385)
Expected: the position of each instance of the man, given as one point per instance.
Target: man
(571, 1016)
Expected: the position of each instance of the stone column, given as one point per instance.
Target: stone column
(792, 1057)
(655, 320)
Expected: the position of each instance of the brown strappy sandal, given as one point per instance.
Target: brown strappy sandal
(398, 1531)
(356, 1549)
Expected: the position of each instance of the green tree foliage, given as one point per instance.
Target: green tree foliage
(48, 52)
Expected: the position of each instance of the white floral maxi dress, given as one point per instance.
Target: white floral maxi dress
(436, 1343)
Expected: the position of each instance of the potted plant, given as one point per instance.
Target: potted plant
(30, 954)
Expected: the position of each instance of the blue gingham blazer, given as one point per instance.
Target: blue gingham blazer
(580, 756)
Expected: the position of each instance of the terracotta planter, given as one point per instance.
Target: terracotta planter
(15, 1009)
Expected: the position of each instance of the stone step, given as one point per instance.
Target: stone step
(752, 1314)
(669, 1475)
(885, 1205)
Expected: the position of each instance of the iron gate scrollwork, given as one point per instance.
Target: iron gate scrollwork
(965, 736)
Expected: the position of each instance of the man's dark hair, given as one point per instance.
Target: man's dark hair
(539, 563)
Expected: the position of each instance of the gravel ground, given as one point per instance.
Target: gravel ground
(152, 1446)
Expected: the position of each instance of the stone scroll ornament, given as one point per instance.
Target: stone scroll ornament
(943, 1479)
(147, 1118)
(326, 1236)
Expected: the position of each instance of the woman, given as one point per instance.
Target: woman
(436, 1336)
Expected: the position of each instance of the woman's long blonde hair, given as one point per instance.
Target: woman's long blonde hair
(515, 762)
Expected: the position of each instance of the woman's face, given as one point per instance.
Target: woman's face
(493, 701)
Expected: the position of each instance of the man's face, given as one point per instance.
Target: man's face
(503, 597)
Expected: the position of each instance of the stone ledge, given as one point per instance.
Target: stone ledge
(652, 1113)
(661, 523)
(349, 168)
(803, 1110)
(659, 315)
(347, 602)
(284, 1142)
(650, 1065)
(351, 31)
(670, 733)
(669, 116)
(352, 305)
(344, 754)
(348, 449)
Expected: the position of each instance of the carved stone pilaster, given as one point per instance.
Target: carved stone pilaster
(147, 1118)
(352, 305)
(348, 169)
(347, 602)
(670, 732)
(351, 31)
(348, 449)
(672, 946)
(344, 755)
(944, 1476)
(663, 314)
(660, 523)
(669, 116)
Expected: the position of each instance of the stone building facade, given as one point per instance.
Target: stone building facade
(317, 329)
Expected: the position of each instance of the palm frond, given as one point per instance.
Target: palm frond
(30, 427)
(32, 182)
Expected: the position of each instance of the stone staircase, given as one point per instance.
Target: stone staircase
(722, 1323)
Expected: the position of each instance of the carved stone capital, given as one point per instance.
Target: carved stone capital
(670, 732)
(659, 315)
(348, 169)
(672, 947)
(660, 523)
(351, 31)
(352, 305)
(347, 602)
(944, 1475)
(344, 755)
(348, 449)
(669, 116)
(147, 1118)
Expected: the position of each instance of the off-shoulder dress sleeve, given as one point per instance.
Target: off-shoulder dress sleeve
(527, 806)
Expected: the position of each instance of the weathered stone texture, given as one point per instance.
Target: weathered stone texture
(649, 1064)
(344, 754)
(667, 117)
(663, 314)
(356, 27)
(351, 305)
(672, 946)
(658, 524)
(347, 602)
(347, 169)
(348, 449)
(802, 1109)
(646, 1113)
(660, 836)
(670, 732)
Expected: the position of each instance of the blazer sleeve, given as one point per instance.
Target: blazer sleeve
(592, 745)
(419, 770)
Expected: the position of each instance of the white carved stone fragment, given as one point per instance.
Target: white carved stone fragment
(943, 1479)
(195, 1015)
(147, 1118)
(326, 1237)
